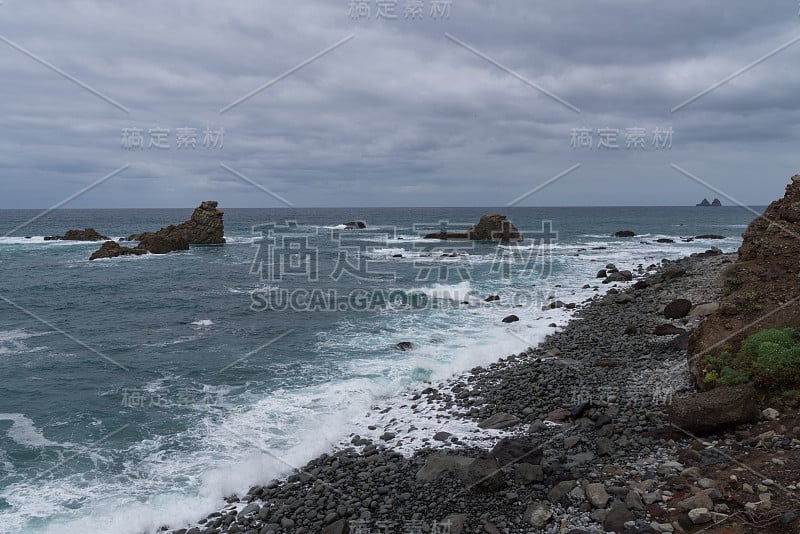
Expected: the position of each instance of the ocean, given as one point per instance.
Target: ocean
(140, 391)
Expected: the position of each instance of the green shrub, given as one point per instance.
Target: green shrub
(783, 337)
(770, 357)
(733, 377)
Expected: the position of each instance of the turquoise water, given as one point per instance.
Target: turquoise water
(139, 391)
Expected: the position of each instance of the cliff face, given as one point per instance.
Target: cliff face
(760, 287)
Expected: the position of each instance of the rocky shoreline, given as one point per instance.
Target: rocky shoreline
(572, 436)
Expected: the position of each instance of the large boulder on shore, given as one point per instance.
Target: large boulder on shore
(87, 234)
(713, 410)
(204, 228)
(677, 308)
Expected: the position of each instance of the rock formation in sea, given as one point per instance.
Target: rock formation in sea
(759, 288)
(705, 203)
(87, 234)
(204, 228)
(495, 227)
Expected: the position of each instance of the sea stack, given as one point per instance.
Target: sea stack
(205, 227)
(495, 227)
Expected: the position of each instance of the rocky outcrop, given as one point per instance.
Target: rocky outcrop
(204, 228)
(355, 225)
(623, 233)
(112, 249)
(705, 203)
(87, 234)
(494, 227)
(757, 287)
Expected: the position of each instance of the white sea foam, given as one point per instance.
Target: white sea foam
(203, 322)
(24, 432)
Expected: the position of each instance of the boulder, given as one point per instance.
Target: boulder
(87, 234)
(355, 225)
(623, 233)
(710, 236)
(701, 310)
(404, 345)
(667, 329)
(484, 474)
(597, 495)
(517, 450)
(617, 517)
(677, 308)
(499, 421)
(715, 409)
(510, 319)
(440, 465)
(619, 276)
(537, 514)
(664, 240)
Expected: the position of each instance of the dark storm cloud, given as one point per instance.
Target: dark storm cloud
(400, 114)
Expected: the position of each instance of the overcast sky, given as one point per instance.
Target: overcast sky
(461, 103)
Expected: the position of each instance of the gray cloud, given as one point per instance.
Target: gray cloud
(400, 115)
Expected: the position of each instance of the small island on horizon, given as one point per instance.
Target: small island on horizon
(706, 203)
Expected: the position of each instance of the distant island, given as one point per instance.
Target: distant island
(706, 203)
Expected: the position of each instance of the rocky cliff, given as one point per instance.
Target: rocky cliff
(204, 228)
(761, 289)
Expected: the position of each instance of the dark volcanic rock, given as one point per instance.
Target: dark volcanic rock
(494, 227)
(710, 236)
(668, 330)
(404, 345)
(87, 234)
(664, 240)
(355, 225)
(517, 450)
(204, 228)
(713, 410)
(112, 249)
(510, 319)
(624, 233)
(677, 308)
